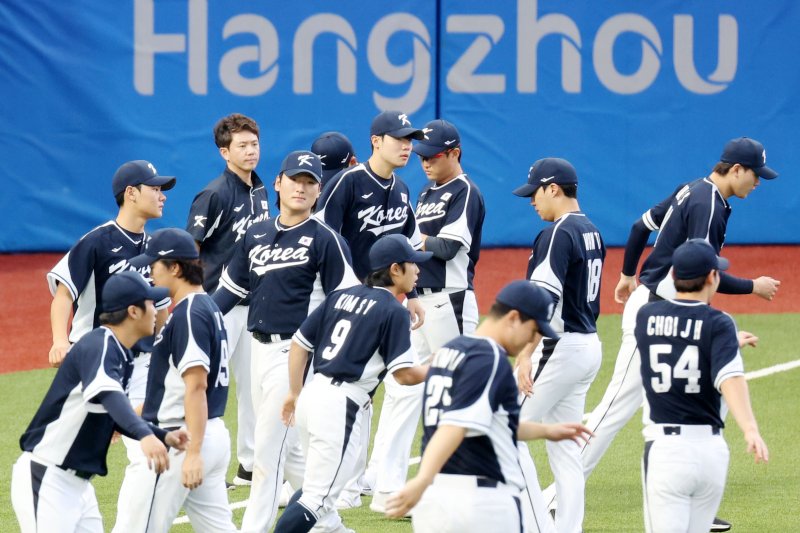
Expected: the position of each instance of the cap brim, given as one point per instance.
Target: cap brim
(403, 133)
(722, 263)
(157, 293)
(766, 173)
(428, 150)
(165, 182)
(526, 190)
(546, 330)
(328, 174)
(141, 260)
(292, 172)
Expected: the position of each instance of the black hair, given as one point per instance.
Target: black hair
(383, 277)
(723, 168)
(690, 285)
(234, 123)
(191, 269)
(114, 318)
(570, 190)
(120, 198)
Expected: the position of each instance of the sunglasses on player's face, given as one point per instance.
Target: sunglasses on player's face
(435, 156)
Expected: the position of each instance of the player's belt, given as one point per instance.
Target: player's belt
(267, 338)
(686, 430)
(429, 290)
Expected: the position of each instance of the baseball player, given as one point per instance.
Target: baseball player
(450, 212)
(357, 336)
(287, 264)
(470, 473)
(66, 443)
(691, 363)
(336, 153)
(698, 209)
(187, 387)
(567, 261)
(218, 219)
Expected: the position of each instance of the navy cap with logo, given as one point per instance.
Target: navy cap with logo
(696, 258)
(167, 243)
(129, 288)
(440, 136)
(139, 172)
(546, 171)
(531, 300)
(302, 162)
(395, 124)
(335, 152)
(394, 248)
(749, 153)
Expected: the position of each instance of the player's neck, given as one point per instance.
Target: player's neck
(722, 184)
(183, 289)
(244, 175)
(703, 296)
(380, 167)
(125, 333)
(565, 205)
(456, 173)
(493, 329)
(129, 220)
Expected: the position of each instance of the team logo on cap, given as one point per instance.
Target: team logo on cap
(545, 180)
(448, 143)
(151, 167)
(165, 252)
(764, 156)
(426, 131)
(304, 159)
(403, 118)
(550, 310)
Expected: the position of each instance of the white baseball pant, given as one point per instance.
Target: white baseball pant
(277, 453)
(683, 478)
(47, 498)
(239, 343)
(559, 395)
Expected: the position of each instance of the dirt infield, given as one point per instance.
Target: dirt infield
(25, 322)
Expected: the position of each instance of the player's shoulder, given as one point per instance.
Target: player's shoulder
(102, 231)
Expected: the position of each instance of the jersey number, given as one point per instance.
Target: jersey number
(437, 392)
(223, 376)
(685, 368)
(338, 336)
(595, 269)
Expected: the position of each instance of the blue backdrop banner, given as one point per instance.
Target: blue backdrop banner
(640, 96)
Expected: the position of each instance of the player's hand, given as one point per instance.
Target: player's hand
(58, 352)
(287, 411)
(523, 370)
(401, 502)
(747, 339)
(624, 288)
(417, 312)
(156, 453)
(570, 430)
(756, 446)
(178, 439)
(766, 287)
(192, 471)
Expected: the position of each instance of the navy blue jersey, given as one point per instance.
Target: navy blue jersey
(84, 270)
(452, 211)
(362, 207)
(357, 334)
(471, 385)
(567, 260)
(695, 211)
(72, 429)
(219, 217)
(688, 349)
(287, 271)
(194, 335)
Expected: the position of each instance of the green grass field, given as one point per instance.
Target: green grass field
(757, 498)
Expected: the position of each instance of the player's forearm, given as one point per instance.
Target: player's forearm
(531, 431)
(60, 313)
(729, 284)
(440, 448)
(442, 248)
(225, 299)
(195, 406)
(634, 247)
(737, 396)
(119, 409)
(298, 357)
(412, 375)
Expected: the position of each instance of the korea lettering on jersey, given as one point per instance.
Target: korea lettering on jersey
(357, 335)
(219, 217)
(362, 207)
(194, 335)
(287, 271)
(452, 211)
(696, 210)
(72, 428)
(688, 349)
(567, 260)
(84, 270)
(470, 384)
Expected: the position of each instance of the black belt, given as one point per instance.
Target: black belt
(676, 430)
(83, 474)
(485, 482)
(267, 338)
(429, 290)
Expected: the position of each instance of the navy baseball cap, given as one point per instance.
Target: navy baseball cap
(394, 248)
(531, 300)
(749, 153)
(139, 172)
(439, 135)
(394, 124)
(128, 288)
(334, 151)
(546, 171)
(696, 258)
(168, 243)
(302, 162)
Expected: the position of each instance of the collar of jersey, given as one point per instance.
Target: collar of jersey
(716, 190)
(127, 352)
(688, 303)
(379, 181)
(565, 215)
(281, 227)
(460, 177)
(129, 233)
(239, 183)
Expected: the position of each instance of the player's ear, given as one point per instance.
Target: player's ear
(277, 185)
(225, 153)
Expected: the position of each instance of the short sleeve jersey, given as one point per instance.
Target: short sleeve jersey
(71, 428)
(688, 349)
(567, 260)
(471, 385)
(453, 211)
(362, 207)
(287, 271)
(219, 217)
(357, 335)
(194, 335)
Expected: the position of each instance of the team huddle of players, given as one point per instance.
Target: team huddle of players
(303, 310)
